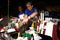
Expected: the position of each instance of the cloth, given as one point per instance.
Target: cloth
(49, 28)
(20, 13)
(30, 12)
(54, 34)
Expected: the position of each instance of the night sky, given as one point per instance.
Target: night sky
(13, 4)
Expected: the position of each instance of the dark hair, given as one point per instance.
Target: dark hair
(19, 6)
(29, 3)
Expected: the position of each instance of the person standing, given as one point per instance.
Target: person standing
(20, 10)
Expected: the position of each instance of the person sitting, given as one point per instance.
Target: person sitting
(30, 11)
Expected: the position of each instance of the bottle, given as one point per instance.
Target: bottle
(42, 16)
(12, 24)
(9, 24)
(45, 23)
(16, 27)
(32, 24)
(37, 25)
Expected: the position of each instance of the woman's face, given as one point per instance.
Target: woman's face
(29, 7)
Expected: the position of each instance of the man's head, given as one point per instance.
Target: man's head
(29, 6)
(20, 8)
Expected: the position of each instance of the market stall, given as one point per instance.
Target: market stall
(36, 29)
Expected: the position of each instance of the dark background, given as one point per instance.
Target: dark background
(40, 4)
